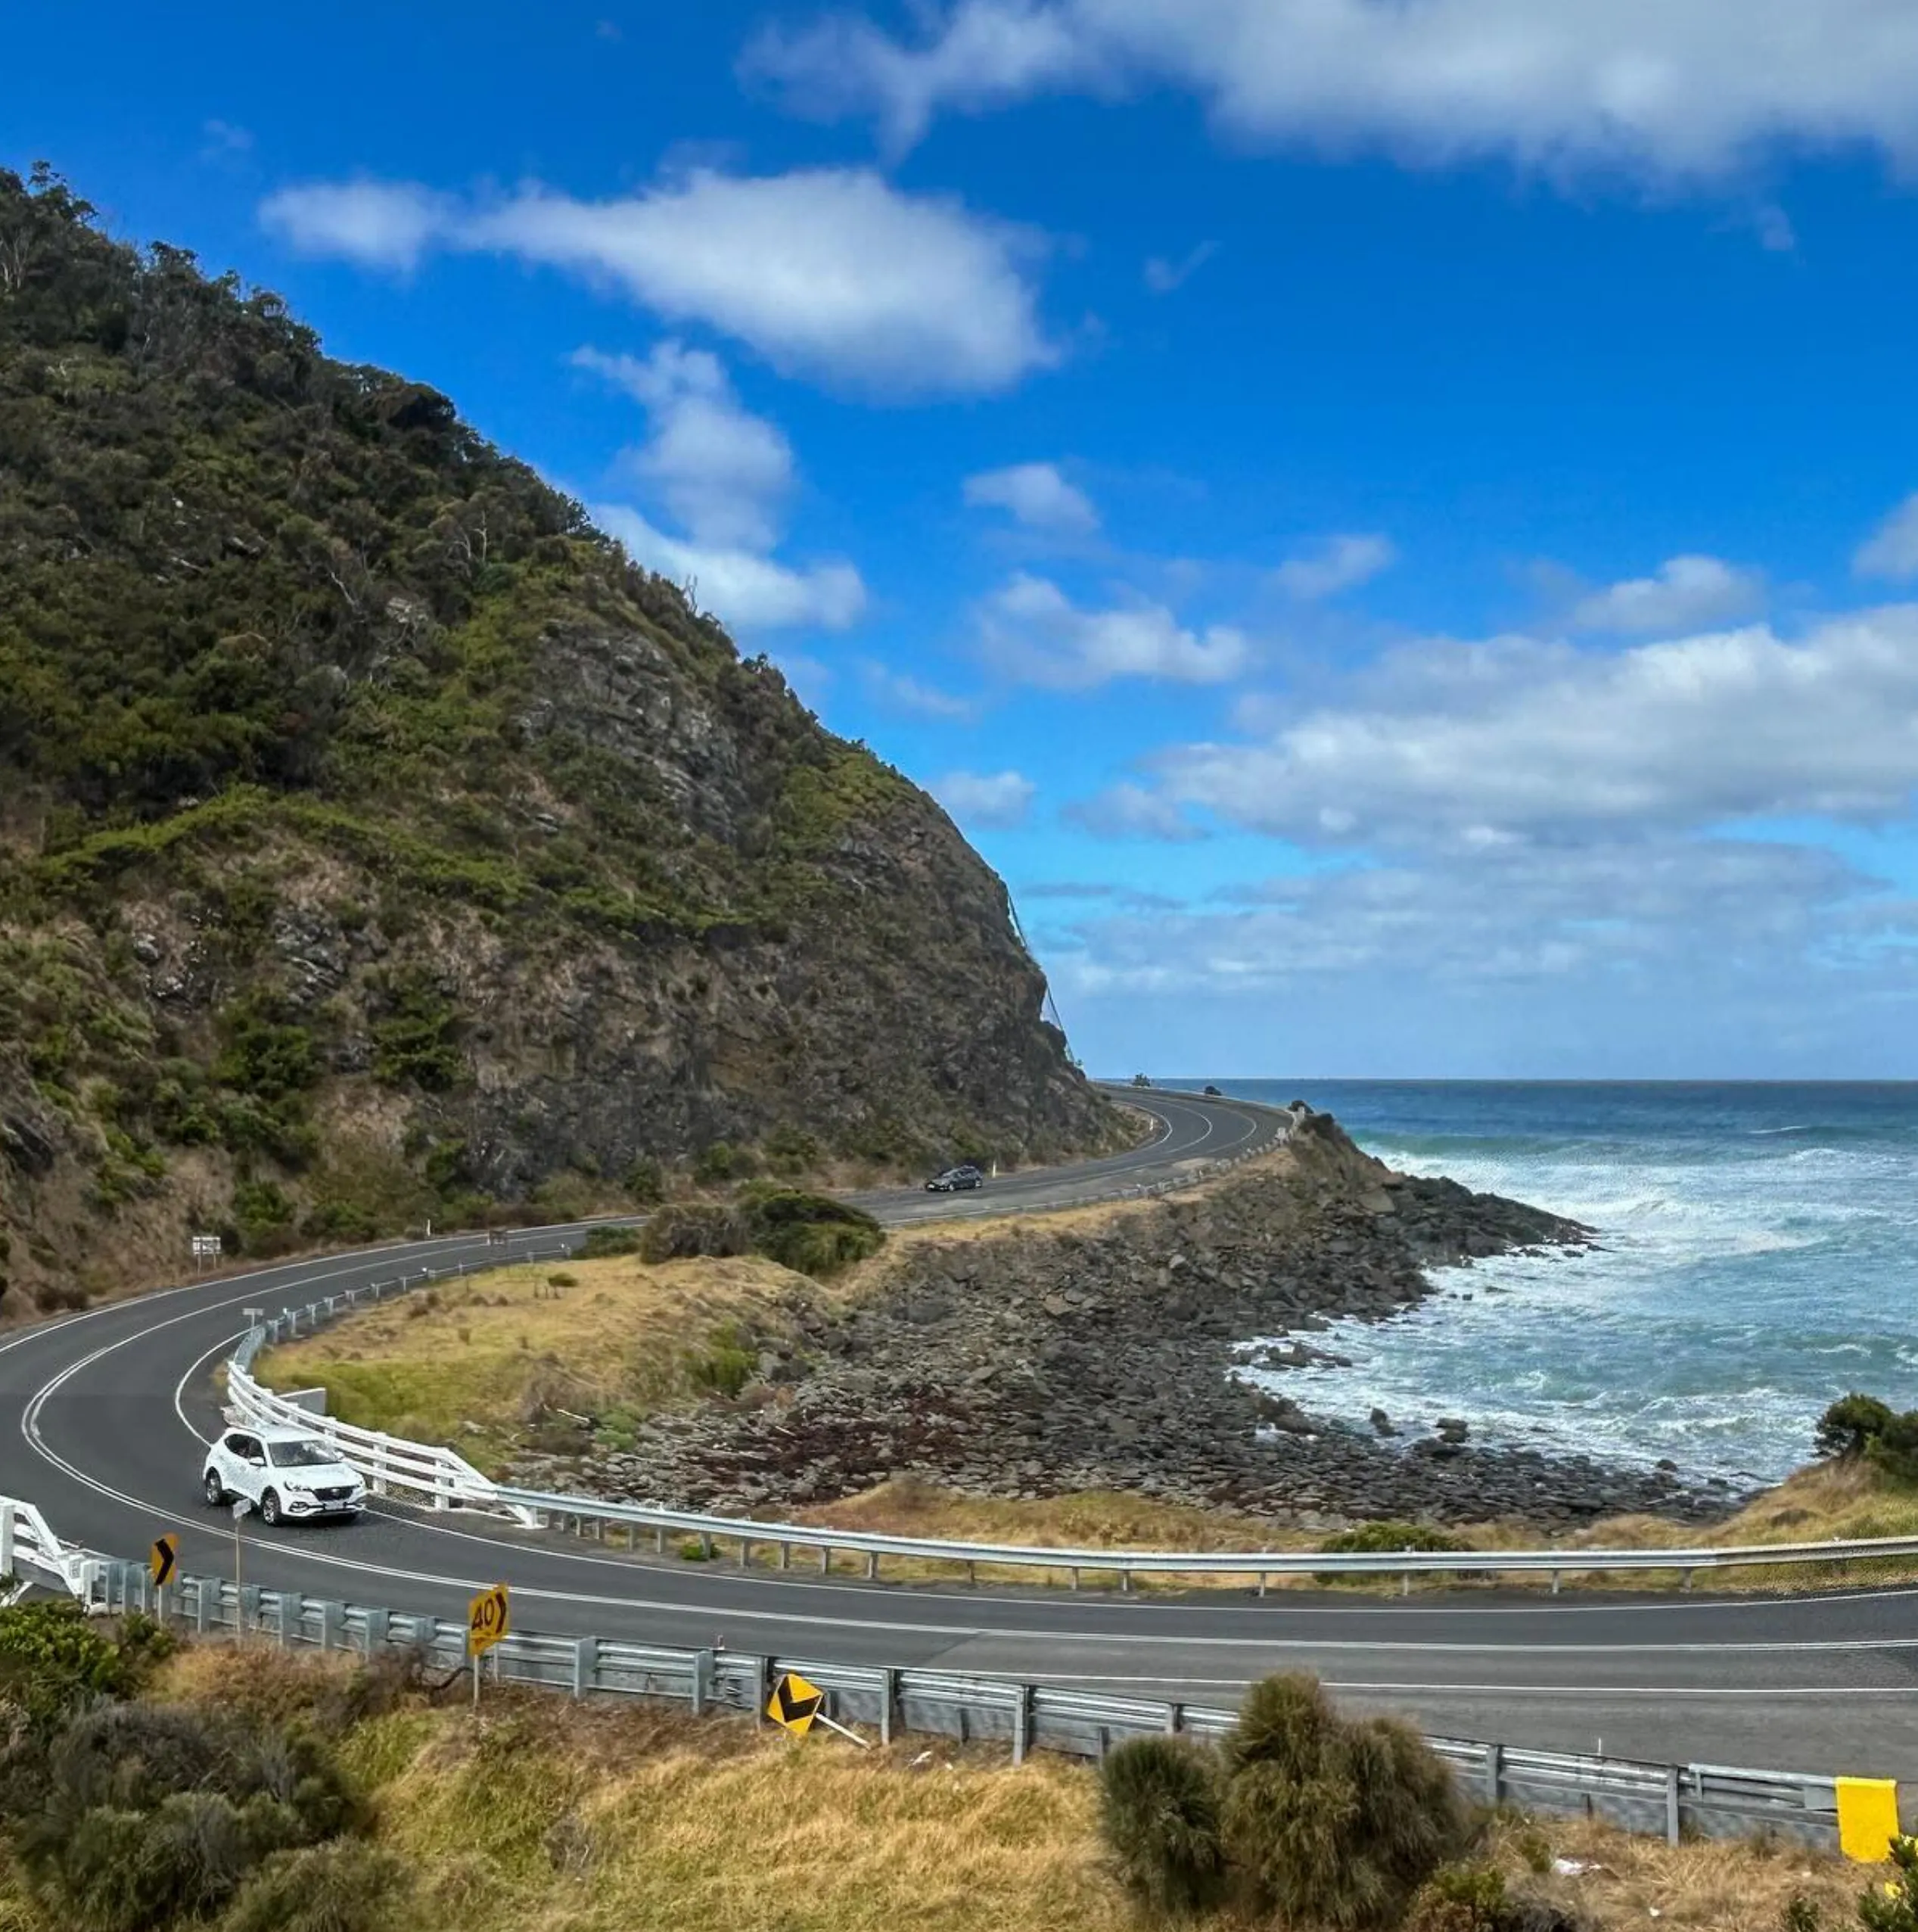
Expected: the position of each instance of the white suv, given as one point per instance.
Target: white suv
(282, 1473)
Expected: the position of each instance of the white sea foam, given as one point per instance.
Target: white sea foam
(1745, 1278)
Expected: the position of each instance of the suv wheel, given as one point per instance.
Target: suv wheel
(269, 1508)
(215, 1490)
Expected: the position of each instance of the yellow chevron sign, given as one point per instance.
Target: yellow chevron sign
(795, 1703)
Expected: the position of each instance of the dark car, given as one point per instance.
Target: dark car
(955, 1179)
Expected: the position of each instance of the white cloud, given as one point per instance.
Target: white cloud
(1892, 549)
(1126, 811)
(384, 224)
(1484, 747)
(1684, 592)
(900, 691)
(999, 799)
(1339, 563)
(1030, 631)
(745, 588)
(1163, 276)
(1661, 88)
(724, 472)
(225, 138)
(1037, 496)
(830, 272)
(1616, 911)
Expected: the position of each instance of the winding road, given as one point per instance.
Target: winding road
(103, 1413)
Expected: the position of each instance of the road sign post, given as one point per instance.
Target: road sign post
(242, 1509)
(488, 1618)
(798, 1704)
(162, 1560)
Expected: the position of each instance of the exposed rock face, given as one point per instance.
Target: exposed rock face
(377, 843)
(1044, 1362)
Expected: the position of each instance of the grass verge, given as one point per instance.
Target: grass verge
(503, 1361)
(554, 1817)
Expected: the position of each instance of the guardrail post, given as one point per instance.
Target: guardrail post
(1021, 1720)
(379, 1625)
(1672, 1804)
(1494, 1777)
(1175, 1719)
(333, 1617)
(1555, 1583)
(285, 1636)
(825, 1558)
(586, 1665)
(702, 1681)
(246, 1611)
(745, 1552)
(888, 1702)
(1125, 1582)
(202, 1609)
(872, 1566)
(1686, 1584)
(785, 1556)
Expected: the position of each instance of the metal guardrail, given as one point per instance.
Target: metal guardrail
(448, 1481)
(1707, 1800)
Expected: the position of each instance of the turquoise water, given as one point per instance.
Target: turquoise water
(1759, 1257)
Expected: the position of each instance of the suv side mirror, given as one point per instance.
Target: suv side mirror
(258, 1459)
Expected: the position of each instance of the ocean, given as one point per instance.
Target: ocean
(1759, 1257)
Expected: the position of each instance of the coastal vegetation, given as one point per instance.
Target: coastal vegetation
(378, 844)
(272, 1793)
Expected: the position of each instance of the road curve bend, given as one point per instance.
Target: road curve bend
(103, 1415)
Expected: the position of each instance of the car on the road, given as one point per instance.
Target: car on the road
(286, 1474)
(955, 1179)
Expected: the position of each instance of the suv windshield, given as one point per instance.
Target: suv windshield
(300, 1455)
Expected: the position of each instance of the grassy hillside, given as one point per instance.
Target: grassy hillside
(378, 841)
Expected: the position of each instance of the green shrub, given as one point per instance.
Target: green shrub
(347, 1887)
(1334, 1823)
(1851, 1425)
(644, 1181)
(725, 1365)
(720, 1162)
(262, 1215)
(605, 1243)
(1895, 1449)
(812, 1233)
(1159, 1812)
(687, 1228)
(338, 1220)
(150, 1814)
(53, 1658)
(1893, 1906)
(1389, 1536)
(1461, 1898)
(1801, 1914)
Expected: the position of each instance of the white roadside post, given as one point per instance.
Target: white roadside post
(242, 1509)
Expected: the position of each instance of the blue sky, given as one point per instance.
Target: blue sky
(1392, 526)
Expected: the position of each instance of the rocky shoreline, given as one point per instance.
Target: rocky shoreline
(1044, 1360)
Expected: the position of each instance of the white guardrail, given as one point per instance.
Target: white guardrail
(446, 1480)
(1708, 1800)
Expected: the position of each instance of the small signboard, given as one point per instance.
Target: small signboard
(795, 1703)
(163, 1559)
(488, 1618)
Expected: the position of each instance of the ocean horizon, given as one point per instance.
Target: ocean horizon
(1759, 1240)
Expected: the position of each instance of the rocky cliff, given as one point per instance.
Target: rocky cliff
(377, 842)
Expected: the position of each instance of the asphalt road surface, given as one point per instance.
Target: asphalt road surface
(102, 1416)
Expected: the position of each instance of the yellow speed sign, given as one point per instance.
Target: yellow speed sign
(488, 1618)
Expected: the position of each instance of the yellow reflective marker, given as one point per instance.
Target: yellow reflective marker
(162, 1558)
(795, 1702)
(1867, 1818)
(488, 1618)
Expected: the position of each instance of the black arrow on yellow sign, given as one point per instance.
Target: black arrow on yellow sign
(795, 1703)
(161, 1558)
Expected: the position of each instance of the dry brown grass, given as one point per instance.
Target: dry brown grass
(545, 1815)
(470, 1363)
(1735, 1886)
